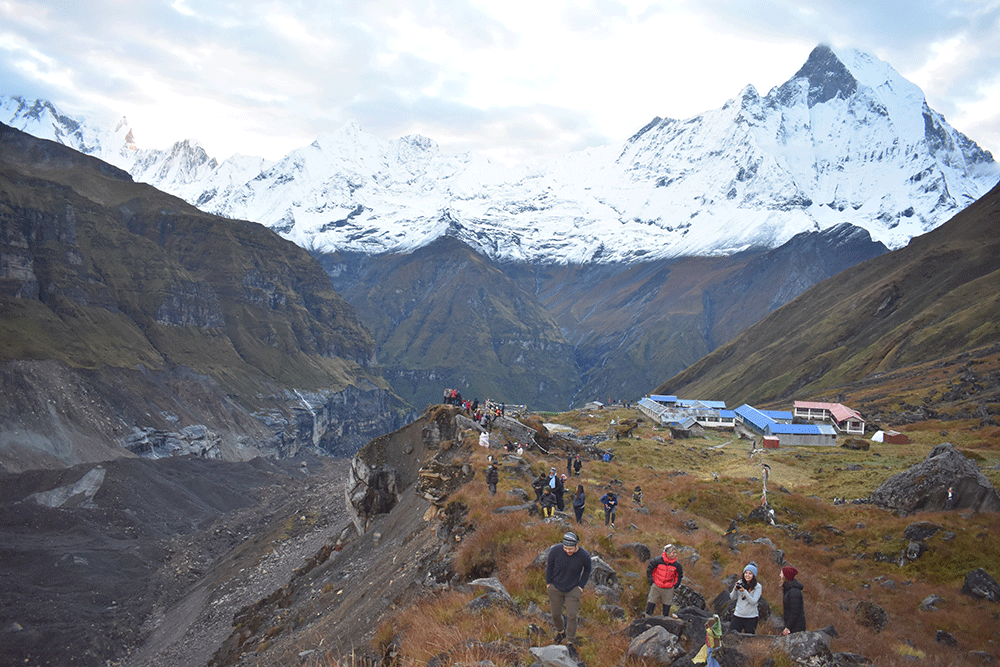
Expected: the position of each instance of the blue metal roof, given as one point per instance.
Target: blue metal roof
(795, 429)
(754, 416)
(694, 403)
(778, 414)
(660, 398)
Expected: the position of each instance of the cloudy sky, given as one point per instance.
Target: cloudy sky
(511, 78)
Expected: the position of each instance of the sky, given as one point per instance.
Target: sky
(512, 79)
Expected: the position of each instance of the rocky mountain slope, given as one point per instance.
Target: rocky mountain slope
(134, 323)
(934, 298)
(559, 335)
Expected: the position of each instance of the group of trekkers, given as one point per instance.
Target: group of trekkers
(483, 414)
(568, 568)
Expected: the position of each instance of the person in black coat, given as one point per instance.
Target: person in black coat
(493, 477)
(579, 501)
(792, 609)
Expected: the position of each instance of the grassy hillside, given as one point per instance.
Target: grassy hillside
(935, 298)
(694, 491)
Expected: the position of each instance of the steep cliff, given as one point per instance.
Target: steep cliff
(131, 321)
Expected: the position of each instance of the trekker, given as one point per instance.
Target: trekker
(664, 574)
(610, 502)
(637, 495)
(561, 493)
(746, 592)
(577, 465)
(792, 609)
(492, 477)
(578, 503)
(548, 503)
(557, 487)
(539, 484)
(567, 569)
(569, 463)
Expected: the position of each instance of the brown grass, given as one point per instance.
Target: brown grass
(685, 503)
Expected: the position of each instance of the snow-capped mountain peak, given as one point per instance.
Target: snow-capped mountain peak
(845, 139)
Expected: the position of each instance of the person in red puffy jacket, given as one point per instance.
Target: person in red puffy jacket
(664, 574)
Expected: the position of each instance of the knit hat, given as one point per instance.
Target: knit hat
(752, 566)
(789, 572)
(570, 539)
(667, 548)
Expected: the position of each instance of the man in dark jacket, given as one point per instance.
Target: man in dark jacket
(664, 574)
(567, 569)
(492, 478)
(792, 610)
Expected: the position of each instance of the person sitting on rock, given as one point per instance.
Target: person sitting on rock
(547, 503)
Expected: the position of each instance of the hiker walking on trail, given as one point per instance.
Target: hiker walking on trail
(610, 502)
(492, 477)
(567, 569)
(577, 465)
(664, 574)
(746, 592)
(569, 463)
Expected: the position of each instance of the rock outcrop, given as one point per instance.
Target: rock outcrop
(945, 480)
(141, 325)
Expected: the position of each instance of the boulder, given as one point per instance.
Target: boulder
(685, 596)
(946, 638)
(931, 602)
(656, 646)
(608, 593)
(672, 625)
(870, 615)
(603, 574)
(921, 531)
(979, 584)
(641, 552)
(553, 656)
(530, 508)
(924, 487)
(802, 648)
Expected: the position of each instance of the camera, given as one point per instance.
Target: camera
(739, 585)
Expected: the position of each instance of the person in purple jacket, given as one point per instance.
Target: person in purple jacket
(567, 569)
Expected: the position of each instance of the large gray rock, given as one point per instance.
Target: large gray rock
(656, 646)
(924, 487)
(979, 584)
(553, 656)
(803, 648)
(870, 615)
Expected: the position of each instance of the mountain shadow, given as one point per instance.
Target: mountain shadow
(446, 316)
(556, 336)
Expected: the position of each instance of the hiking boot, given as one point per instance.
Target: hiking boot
(560, 636)
(571, 649)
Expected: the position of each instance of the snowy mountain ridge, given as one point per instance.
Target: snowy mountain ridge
(846, 139)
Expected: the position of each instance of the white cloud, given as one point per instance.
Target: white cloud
(515, 79)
